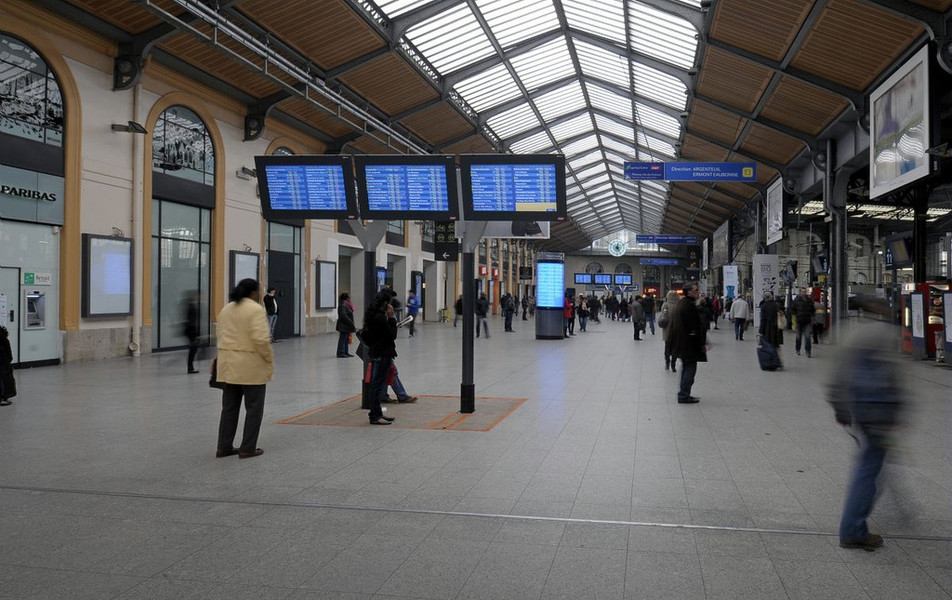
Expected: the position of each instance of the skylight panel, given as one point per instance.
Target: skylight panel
(513, 121)
(653, 84)
(572, 127)
(602, 64)
(532, 144)
(582, 161)
(545, 64)
(562, 101)
(612, 144)
(490, 88)
(513, 21)
(656, 120)
(608, 101)
(626, 132)
(655, 145)
(451, 40)
(605, 18)
(395, 8)
(580, 146)
(662, 35)
(590, 170)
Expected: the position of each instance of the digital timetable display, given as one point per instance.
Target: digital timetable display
(622, 278)
(529, 187)
(400, 187)
(550, 285)
(603, 278)
(306, 187)
(583, 279)
(406, 187)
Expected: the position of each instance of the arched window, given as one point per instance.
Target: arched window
(623, 268)
(181, 146)
(31, 105)
(594, 267)
(652, 273)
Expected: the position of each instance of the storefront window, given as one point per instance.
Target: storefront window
(31, 105)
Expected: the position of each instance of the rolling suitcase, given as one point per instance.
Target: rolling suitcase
(767, 355)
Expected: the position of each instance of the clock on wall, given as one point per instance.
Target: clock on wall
(617, 247)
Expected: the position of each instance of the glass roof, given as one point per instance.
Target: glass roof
(595, 80)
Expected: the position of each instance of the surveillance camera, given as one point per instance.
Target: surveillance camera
(685, 115)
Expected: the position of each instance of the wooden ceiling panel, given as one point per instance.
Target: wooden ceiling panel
(370, 145)
(476, 144)
(314, 116)
(803, 106)
(438, 124)
(725, 199)
(329, 32)
(712, 211)
(697, 149)
(128, 16)
(214, 62)
(738, 189)
(939, 5)
(853, 42)
(687, 214)
(717, 124)
(765, 28)
(698, 189)
(731, 79)
(390, 83)
(772, 144)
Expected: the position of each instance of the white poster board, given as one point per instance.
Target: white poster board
(244, 266)
(705, 254)
(326, 284)
(775, 212)
(731, 281)
(766, 279)
(947, 304)
(107, 276)
(918, 316)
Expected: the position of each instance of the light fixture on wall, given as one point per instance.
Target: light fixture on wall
(129, 127)
(116, 232)
(246, 248)
(246, 173)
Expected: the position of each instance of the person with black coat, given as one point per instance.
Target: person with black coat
(689, 340)
(192, 328)
(380, 335)
(768, 321)
(8, 385)
(345, 324)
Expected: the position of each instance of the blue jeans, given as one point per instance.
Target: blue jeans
(649, 317)
(272, 319)
(739, 326)
(862, 489)
(398, 388)
(582, 321)
(688, 371)
(804, 333)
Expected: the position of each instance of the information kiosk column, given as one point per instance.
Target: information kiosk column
(550, 296)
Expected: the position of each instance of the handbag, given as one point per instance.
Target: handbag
(781, 320)
(213, 379)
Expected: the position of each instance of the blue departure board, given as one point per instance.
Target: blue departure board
(583, 279)
(513, 188)
(550, 285)
(622, 278)
(306, 187)
(414, 188)
(603, 278)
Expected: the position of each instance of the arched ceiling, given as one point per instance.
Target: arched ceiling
(601, 81)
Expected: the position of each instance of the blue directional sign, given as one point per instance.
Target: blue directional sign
(684, 240)
(644, 170)
(664, 262)
(689, 171)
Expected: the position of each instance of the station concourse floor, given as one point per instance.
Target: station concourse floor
(598, 486)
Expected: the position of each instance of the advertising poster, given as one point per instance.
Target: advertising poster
(766, 279)
(918, 318)
(947, 304)
(731, 281)
(775, 212)
(705, 257)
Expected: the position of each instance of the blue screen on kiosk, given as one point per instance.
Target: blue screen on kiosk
(603, 278)
(306, 187)
(623, 279)
(583, 279)
(514, 188)
(413, 188)
(550, 285)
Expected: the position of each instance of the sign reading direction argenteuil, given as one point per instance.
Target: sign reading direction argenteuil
(665, 238)
(688, 171)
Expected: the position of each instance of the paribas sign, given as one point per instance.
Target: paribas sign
(9, 190)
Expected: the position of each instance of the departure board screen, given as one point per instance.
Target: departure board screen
(513, 187)
(550, 285)
(306, 187)
(406, 187)
(622, 278)
(583, 279)
(603, 278)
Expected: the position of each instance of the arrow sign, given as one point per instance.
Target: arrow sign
(446, 247)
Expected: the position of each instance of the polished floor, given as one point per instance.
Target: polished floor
(598, 486)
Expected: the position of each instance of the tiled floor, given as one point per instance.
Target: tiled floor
(109, 487)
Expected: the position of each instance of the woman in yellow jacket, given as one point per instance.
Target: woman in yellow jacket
(245, 365)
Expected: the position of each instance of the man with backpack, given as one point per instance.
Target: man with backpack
(508, 309)
(804, 310)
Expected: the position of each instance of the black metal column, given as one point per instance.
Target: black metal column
(467, 388)
(920, 206)
(370, 276)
